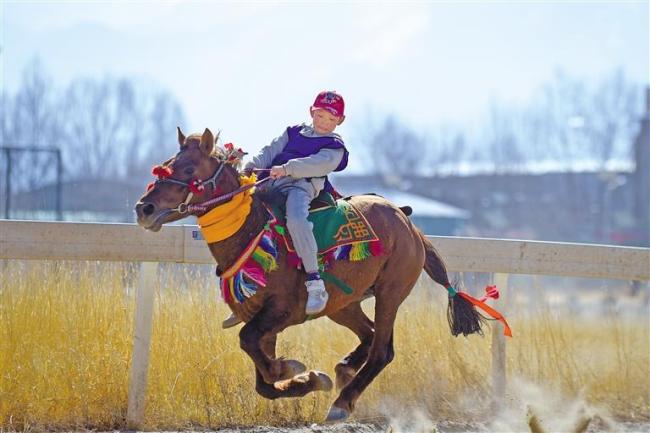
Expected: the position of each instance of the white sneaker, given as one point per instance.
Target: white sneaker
(316, 296)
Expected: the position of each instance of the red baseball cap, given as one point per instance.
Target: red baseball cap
(330, 101)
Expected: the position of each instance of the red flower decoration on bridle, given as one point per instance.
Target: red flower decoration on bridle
(233, 155)
(161, 171)
(196, 186)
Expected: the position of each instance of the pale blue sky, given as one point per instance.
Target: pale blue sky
(252, 68)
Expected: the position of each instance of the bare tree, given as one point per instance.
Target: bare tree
(613, 118)
(396, 151)
(162, 119)
(94, 119)
(113, 129)
(104, 128)
(501, 140)
(571, 123)
(30, 120)
(447, 147)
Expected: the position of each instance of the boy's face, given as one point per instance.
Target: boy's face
(324, 121)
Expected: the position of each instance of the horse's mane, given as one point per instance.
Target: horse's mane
(219, 153)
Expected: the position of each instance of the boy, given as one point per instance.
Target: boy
(299, 161)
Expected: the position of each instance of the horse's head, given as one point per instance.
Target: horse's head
(197, 172)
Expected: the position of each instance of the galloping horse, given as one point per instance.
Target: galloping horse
(389, 276)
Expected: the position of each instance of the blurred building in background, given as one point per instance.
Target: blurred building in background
(430, 215)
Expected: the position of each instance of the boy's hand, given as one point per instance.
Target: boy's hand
(277, 171)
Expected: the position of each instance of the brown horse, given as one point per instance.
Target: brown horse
(389, 276)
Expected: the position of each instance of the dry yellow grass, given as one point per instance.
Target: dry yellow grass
(65, 343)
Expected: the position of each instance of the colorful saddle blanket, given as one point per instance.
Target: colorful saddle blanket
(341, 232)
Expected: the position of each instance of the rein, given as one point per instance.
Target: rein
(203, 206)
(198, 186)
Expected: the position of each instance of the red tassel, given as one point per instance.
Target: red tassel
(150, 186)
(196, 186)
(293, 259)
(490, 292)
(328, 258)
(229, 146)
(225, 292)
(376, 248)
(161, 171)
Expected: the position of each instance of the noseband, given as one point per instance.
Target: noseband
(198, 186)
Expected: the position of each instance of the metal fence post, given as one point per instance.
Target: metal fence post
(499, 350)
(141, 345)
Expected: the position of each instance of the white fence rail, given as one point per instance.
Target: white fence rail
(30, 240)
(127, 242)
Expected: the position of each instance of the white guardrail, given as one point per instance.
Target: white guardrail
(32, 240)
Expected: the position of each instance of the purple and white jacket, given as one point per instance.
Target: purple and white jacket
(304, 154)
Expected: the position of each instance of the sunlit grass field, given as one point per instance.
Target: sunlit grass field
(66, 336)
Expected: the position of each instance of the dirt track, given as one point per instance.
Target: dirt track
(440, 427)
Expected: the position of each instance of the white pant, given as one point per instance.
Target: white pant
(299, 194)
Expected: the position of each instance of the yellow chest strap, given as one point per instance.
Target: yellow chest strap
(223, 221)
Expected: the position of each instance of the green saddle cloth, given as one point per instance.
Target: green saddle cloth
(336, 223)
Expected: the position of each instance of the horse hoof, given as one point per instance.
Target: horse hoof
(336, 414)
(292, 368)
(321, 381)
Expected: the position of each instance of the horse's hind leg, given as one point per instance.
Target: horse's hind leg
(353, 318)
(380, 355)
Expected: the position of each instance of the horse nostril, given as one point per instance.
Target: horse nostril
(148, 209)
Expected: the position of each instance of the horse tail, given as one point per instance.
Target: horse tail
(461, 314)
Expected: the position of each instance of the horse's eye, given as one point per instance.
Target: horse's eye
(189, 171)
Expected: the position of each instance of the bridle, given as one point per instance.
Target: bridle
(198, 186)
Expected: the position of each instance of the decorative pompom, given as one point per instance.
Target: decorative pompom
(490, 292)
(161, 171)
(328, 259)
(376, 248)
(196, 186)
(293, 260)
(233, 156)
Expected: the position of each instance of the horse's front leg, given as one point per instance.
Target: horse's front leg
(276, 378)
(262, 331)
(268, 390)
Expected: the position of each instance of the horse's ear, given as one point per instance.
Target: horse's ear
(207, 142)
(181, 137)
(216, 138)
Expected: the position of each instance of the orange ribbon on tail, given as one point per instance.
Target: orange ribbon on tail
(492, 293)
